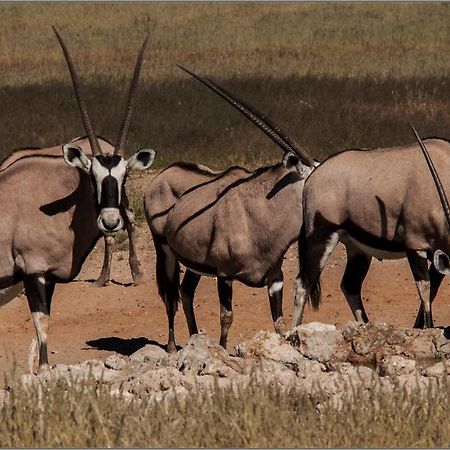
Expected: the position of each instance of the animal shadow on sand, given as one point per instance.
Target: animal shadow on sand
(91, 280)
(123, 346)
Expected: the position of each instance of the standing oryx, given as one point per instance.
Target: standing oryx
(127, 213)
(54, 209)
(379, 203)
(235, 225)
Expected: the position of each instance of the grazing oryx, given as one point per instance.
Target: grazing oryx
(54, 210)
(127, 213)
(379, 203)
(234, 225)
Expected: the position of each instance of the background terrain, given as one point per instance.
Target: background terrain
(334, 76)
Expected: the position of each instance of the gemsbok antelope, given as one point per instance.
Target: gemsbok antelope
(233, 225)
(55, 209)
(378, 203)
(127, 213)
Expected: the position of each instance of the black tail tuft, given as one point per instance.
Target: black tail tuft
(312, 286)
(168, 284)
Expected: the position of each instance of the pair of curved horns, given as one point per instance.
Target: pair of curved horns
(87, 123)
(437, 180)
(282, 139)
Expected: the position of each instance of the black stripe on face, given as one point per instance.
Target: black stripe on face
(110, 193)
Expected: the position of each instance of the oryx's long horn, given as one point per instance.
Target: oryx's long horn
(123, 134)
(437, 181)
(93, 141)
(264, 123)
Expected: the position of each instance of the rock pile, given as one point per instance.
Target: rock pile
(310, 357)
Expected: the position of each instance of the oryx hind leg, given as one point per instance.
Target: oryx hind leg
(435, 282)
(225, 288)
(168, 279)
(133, 260)
(355, 272)
(275, 291)
(314, 252)
(39, 294)
(187, 291)
(419, 268)
(105, 274)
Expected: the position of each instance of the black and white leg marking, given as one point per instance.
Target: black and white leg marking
(225, 288)
(358, 264)
(39, 295)
(419, 267)
(275, 291)
(187, 290)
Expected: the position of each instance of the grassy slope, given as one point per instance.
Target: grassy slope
(333, 75)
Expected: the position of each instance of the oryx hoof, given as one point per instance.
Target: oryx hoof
(171, 348)
(280, 326)
(44, 368)
(138, 278)
(101, 282)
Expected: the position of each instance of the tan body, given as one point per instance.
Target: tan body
(107, 148)
(52, 228)
(240, 226)
(381, 203)
(54, 209)
(236, 225)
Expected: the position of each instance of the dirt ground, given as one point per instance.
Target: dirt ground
(89, 322)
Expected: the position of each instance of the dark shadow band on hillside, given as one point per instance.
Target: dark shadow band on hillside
(183, 121)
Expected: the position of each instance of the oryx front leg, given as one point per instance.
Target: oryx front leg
(435, 282)
(105, 275)
(225, 288)
(187, 291)
(355, 272)
(275, 291)
(135, 265)
(419, 268)
(39, 300)
(314, 252)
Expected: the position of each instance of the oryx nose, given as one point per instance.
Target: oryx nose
(110, 224)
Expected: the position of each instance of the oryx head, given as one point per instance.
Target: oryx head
(295, 158)
(108, 172)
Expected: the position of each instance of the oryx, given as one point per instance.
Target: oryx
(379, 203)
(128, 215)
(54, 209)
(233, 225)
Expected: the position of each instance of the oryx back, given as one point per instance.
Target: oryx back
(239, 225)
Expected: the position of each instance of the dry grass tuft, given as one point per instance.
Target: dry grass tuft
(255, 416)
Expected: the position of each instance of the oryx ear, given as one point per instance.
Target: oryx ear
(441, 262)
(75, 157)
(291, 162)
(142, 159)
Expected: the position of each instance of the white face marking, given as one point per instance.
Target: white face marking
(99, 173)
(275, 287)
(119, 172)
(376, 253)
(422, 254)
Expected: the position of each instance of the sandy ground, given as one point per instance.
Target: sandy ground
(89, 322)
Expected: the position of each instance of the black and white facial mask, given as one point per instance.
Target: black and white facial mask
(108, 174)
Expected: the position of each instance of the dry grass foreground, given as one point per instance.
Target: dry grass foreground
(371, 385)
